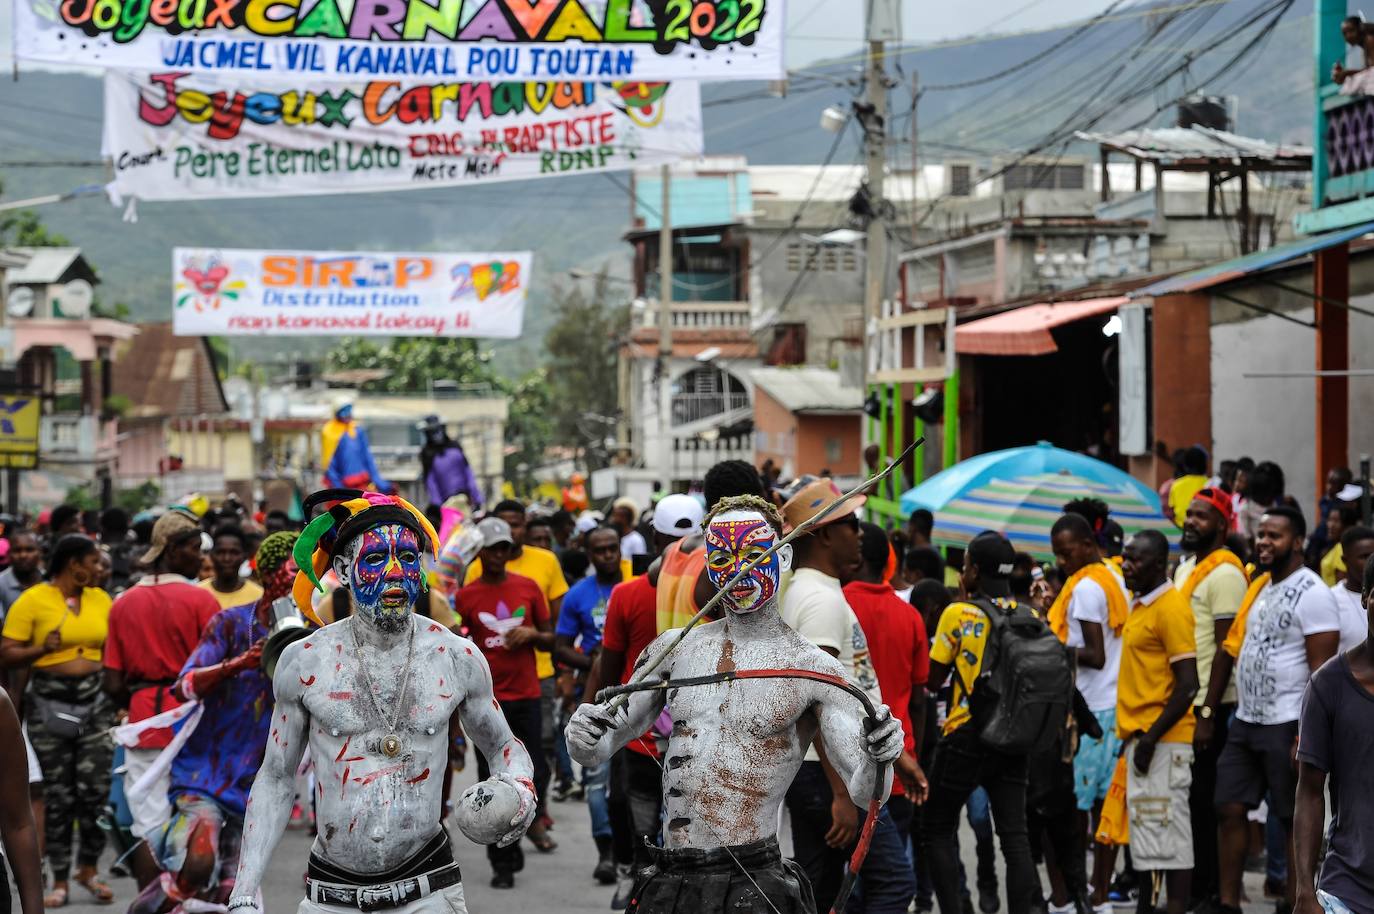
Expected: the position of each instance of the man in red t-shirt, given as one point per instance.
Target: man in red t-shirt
(508, 618)
(636, 781)
(900, 653)
(154, 627)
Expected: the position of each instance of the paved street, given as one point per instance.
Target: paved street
(560, 881)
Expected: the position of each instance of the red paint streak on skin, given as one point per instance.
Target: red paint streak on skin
(445, 695)
(283, 718)
(341, 696)
(468, 650)
(308, 646)
(493, 704)
(441, 648)
(339, 757)
(429, 707)
(419, 777)
(352, 823)
(434, 627)
(505, 754)
(338, 648)
(441, 682)
(337, 667)
(379, 773)
(274, 737)
(308, 682)
(343, 783)
(354, 758)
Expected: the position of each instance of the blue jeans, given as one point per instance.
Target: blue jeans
(1275, 848)
(886, 883)
(597, 780)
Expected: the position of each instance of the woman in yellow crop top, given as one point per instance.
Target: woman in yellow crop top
(53, 638)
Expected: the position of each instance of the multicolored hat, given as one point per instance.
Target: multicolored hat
(344, 515)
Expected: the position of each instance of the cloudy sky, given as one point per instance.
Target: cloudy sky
(816, 29)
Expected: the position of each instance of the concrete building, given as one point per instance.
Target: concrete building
(63, 351)
(807, 421)
(753, 285)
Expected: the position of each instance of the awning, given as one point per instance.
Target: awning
(1227, 270)
(1026, 331)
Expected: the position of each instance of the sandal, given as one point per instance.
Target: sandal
(101, 892)
(541, 841)
(57, 898)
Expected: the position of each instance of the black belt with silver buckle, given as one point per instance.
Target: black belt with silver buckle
(383, 896)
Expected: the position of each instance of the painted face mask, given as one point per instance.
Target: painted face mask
(733, 540)
(386, 577)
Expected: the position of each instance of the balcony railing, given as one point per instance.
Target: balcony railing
(692, 457)
(75, 438)
(701, 315)
(1349, 143)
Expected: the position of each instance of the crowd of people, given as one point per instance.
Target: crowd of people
(1208, 680)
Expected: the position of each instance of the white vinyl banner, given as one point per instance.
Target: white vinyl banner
(228, 292)
(460, 40)
(180, 136)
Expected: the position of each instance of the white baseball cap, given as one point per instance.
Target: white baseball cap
(494, 531)
(678, 515)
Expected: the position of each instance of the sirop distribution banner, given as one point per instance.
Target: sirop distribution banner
(228, 292)
(180, 136)
(461, 40)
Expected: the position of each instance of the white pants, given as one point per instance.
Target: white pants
(154, 810)
(445, 901)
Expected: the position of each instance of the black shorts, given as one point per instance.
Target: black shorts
(1257, 764)
(746, 879)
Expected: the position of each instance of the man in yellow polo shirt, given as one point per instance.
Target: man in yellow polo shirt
(1155, 691)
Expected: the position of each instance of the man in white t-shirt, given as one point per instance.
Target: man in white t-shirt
(1096, 642)
(824, 820)
(1285, 631)
(1357, 545)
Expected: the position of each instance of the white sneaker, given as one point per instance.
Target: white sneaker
(1105, 908)
(1060, 908)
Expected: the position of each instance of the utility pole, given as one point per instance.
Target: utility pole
(665, 330)
(872, 116)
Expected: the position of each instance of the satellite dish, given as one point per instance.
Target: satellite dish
(20, 302)
(76, 299)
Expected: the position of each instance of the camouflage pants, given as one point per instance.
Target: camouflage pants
(76, 770)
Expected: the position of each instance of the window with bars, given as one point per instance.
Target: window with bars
(821, 258)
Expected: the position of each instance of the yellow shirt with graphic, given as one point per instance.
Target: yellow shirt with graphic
(540, 566)
(960, 639)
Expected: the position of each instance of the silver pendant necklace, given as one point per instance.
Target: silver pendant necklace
(391, 741)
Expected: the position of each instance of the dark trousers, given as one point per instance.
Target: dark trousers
(961, 764)
(526, 723)
(1052, 816)
(887, 882)
(1203, 810)
(635, 802)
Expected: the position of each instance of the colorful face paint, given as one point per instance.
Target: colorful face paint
(386, 577)
(733, 540)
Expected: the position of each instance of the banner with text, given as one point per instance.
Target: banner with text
(439, 39)
(178, 136)
(224, 292)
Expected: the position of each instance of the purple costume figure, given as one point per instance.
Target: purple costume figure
(446, 469)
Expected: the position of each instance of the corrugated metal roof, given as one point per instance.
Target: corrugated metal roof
(1165, 144)
(1227, 270)
(802, 389)
(45, 265)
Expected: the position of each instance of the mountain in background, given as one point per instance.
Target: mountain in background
(578, 221)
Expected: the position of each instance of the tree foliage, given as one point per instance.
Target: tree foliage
(583, 372)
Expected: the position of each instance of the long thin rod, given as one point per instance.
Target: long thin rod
(802, 528)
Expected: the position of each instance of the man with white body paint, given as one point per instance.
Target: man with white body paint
(735, 747)
(374, 695)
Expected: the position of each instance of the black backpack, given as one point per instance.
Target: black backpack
(1023, 696)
